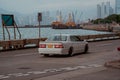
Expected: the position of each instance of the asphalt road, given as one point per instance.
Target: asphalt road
(27, 64)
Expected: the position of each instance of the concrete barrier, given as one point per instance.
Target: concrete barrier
(32, 41)
(5, 45)
(16, 44)
(92, 36)
(84, 37)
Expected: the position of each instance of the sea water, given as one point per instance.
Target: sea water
(27, 33)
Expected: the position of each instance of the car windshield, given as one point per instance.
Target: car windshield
(57, 38)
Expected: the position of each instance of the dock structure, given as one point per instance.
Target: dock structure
(100, 37)
(10, 44)
(22, 43)
(19, 44)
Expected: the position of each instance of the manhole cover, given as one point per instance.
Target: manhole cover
(24, 68)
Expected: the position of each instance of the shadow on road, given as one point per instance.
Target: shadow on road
(66, 56)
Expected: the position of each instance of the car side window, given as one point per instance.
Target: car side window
(74, 38)
(60, 38)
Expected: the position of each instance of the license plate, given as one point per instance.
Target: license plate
(50, 46)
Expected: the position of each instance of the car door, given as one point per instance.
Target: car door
(77, 44)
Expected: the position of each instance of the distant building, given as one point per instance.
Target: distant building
(111, 11)
(98, 11)
(104, 10)
(108, 8)
(117, 6)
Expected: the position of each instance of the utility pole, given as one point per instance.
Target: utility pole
(39, 20)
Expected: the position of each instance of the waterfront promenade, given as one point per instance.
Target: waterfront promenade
(23, 43)
(27, 64)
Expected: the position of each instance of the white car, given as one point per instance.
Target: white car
(63, 44)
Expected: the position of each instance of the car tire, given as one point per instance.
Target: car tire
(86, 48)
(46, 55)
(70, 52)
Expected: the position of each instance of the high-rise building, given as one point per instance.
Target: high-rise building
(111, 11)
(104, 10)
(108, 8)
(98, 11)
(117, 6)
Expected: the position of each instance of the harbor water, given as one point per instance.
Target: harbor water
(27, 33)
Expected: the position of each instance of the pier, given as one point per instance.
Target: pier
(25, 43)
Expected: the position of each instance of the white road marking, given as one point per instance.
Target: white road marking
(49, 71)
(105, 44)
(95, 65)
(39, 72)
(18, 74)
(3, 76)
(23, 54)
(82, 67)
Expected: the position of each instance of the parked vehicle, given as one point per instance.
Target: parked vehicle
(63, 44)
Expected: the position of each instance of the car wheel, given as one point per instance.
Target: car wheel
(46, 55)
(86, 48)
(70, 52)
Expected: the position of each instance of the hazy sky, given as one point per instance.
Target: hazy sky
(31, 6)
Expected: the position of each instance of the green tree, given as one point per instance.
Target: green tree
(109, 19)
